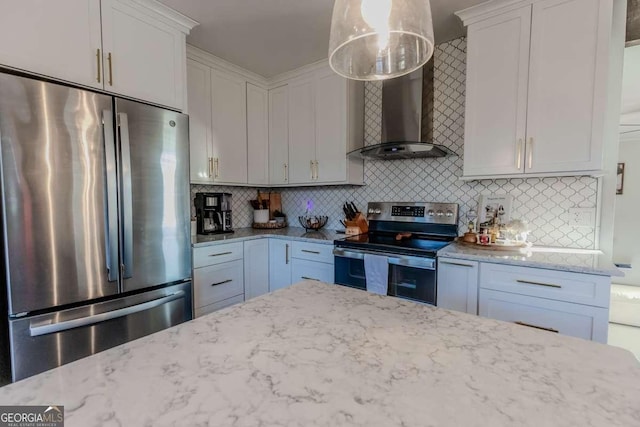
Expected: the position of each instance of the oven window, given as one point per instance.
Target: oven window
(412, 283)
(350, 272)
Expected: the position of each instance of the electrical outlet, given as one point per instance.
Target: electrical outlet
(582, 217)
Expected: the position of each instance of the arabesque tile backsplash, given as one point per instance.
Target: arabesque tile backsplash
(543, 202)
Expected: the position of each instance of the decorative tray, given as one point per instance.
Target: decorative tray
(496, 247)
(269, 225)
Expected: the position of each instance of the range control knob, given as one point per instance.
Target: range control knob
(449, 214)
(430, 212)
(378, 211)
(440, 213)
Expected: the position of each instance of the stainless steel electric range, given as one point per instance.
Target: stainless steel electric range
(409, 234)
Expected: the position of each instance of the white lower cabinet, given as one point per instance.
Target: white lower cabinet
(561, 317)
(458, 285)
(567, 303)
(218, 277)
(256, 268)
(310, 270)
(230, 273)
(279, 264)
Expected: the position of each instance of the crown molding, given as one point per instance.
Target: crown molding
(183, 22)
(280, 79)
(213, 61)
(488, 9)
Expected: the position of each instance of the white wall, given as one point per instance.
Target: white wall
(626, 239)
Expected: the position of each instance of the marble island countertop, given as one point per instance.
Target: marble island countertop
(291, 233)
(562, 259)
(325, 355)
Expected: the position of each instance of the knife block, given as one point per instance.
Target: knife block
(359, 225)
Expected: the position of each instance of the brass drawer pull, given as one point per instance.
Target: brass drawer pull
(310, 252)
(110, 60)
(536, 327)
(220, 254)
(548, 285)
(98, 61)
(222, 283)
(456, 264)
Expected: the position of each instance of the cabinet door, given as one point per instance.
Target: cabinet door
(496, 98)
(458, 285)
(257, 135)
(256, 267)
(279, 135)
(199, 99)
(582, 321)
(302, 153)
(303, 269)
(279, 264)
(567, 84)
(229, 127)
(59, 39)
(331, 127)
(147, 56)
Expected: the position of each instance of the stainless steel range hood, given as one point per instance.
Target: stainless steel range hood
(407, 119)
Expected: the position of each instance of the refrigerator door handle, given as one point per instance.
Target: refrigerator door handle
(111, 208)
(126, 197)
(45, 328)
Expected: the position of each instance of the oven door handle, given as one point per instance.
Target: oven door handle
(395, 259)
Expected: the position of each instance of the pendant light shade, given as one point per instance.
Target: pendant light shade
(380, 39)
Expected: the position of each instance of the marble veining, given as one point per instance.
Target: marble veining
(289, 233)
(577, 261)
(323, 355)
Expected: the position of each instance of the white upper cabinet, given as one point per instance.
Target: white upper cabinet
(229, 127)
(144, 57)
(302, 143)
(199, 106)
(496, 98)
(59, 39)
(330, 127)
(567, 86)
(257, 135)
(537, 80)
(326, 121)
(279, 135)
(134, 49)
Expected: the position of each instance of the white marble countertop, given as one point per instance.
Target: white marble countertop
(326, 355)
(573, 260)
(289, 233)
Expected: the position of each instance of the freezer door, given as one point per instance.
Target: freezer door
(47, 341)
(54, 194)
(154, 194)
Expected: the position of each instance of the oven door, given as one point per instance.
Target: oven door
(410, 277)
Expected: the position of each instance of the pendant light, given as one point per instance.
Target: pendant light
(380, 39)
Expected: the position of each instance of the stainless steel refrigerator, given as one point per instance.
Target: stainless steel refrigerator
(95, 223)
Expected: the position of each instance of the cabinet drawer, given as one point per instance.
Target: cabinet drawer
(303, 269)
(216, 254)
(557, 285)
(313, 252)
(218, 282)
(590, 323)
(219, 305)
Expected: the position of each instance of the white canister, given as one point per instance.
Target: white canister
(261, 215)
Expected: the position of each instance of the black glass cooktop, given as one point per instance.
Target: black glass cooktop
(413, 245)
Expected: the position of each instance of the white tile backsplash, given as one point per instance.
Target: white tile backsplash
(543, 202)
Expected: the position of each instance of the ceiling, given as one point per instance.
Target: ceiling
(271, 37)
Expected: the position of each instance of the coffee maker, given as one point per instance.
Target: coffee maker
(213, 213)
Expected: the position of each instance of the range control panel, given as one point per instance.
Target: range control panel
(411, 211)
(425, 212)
